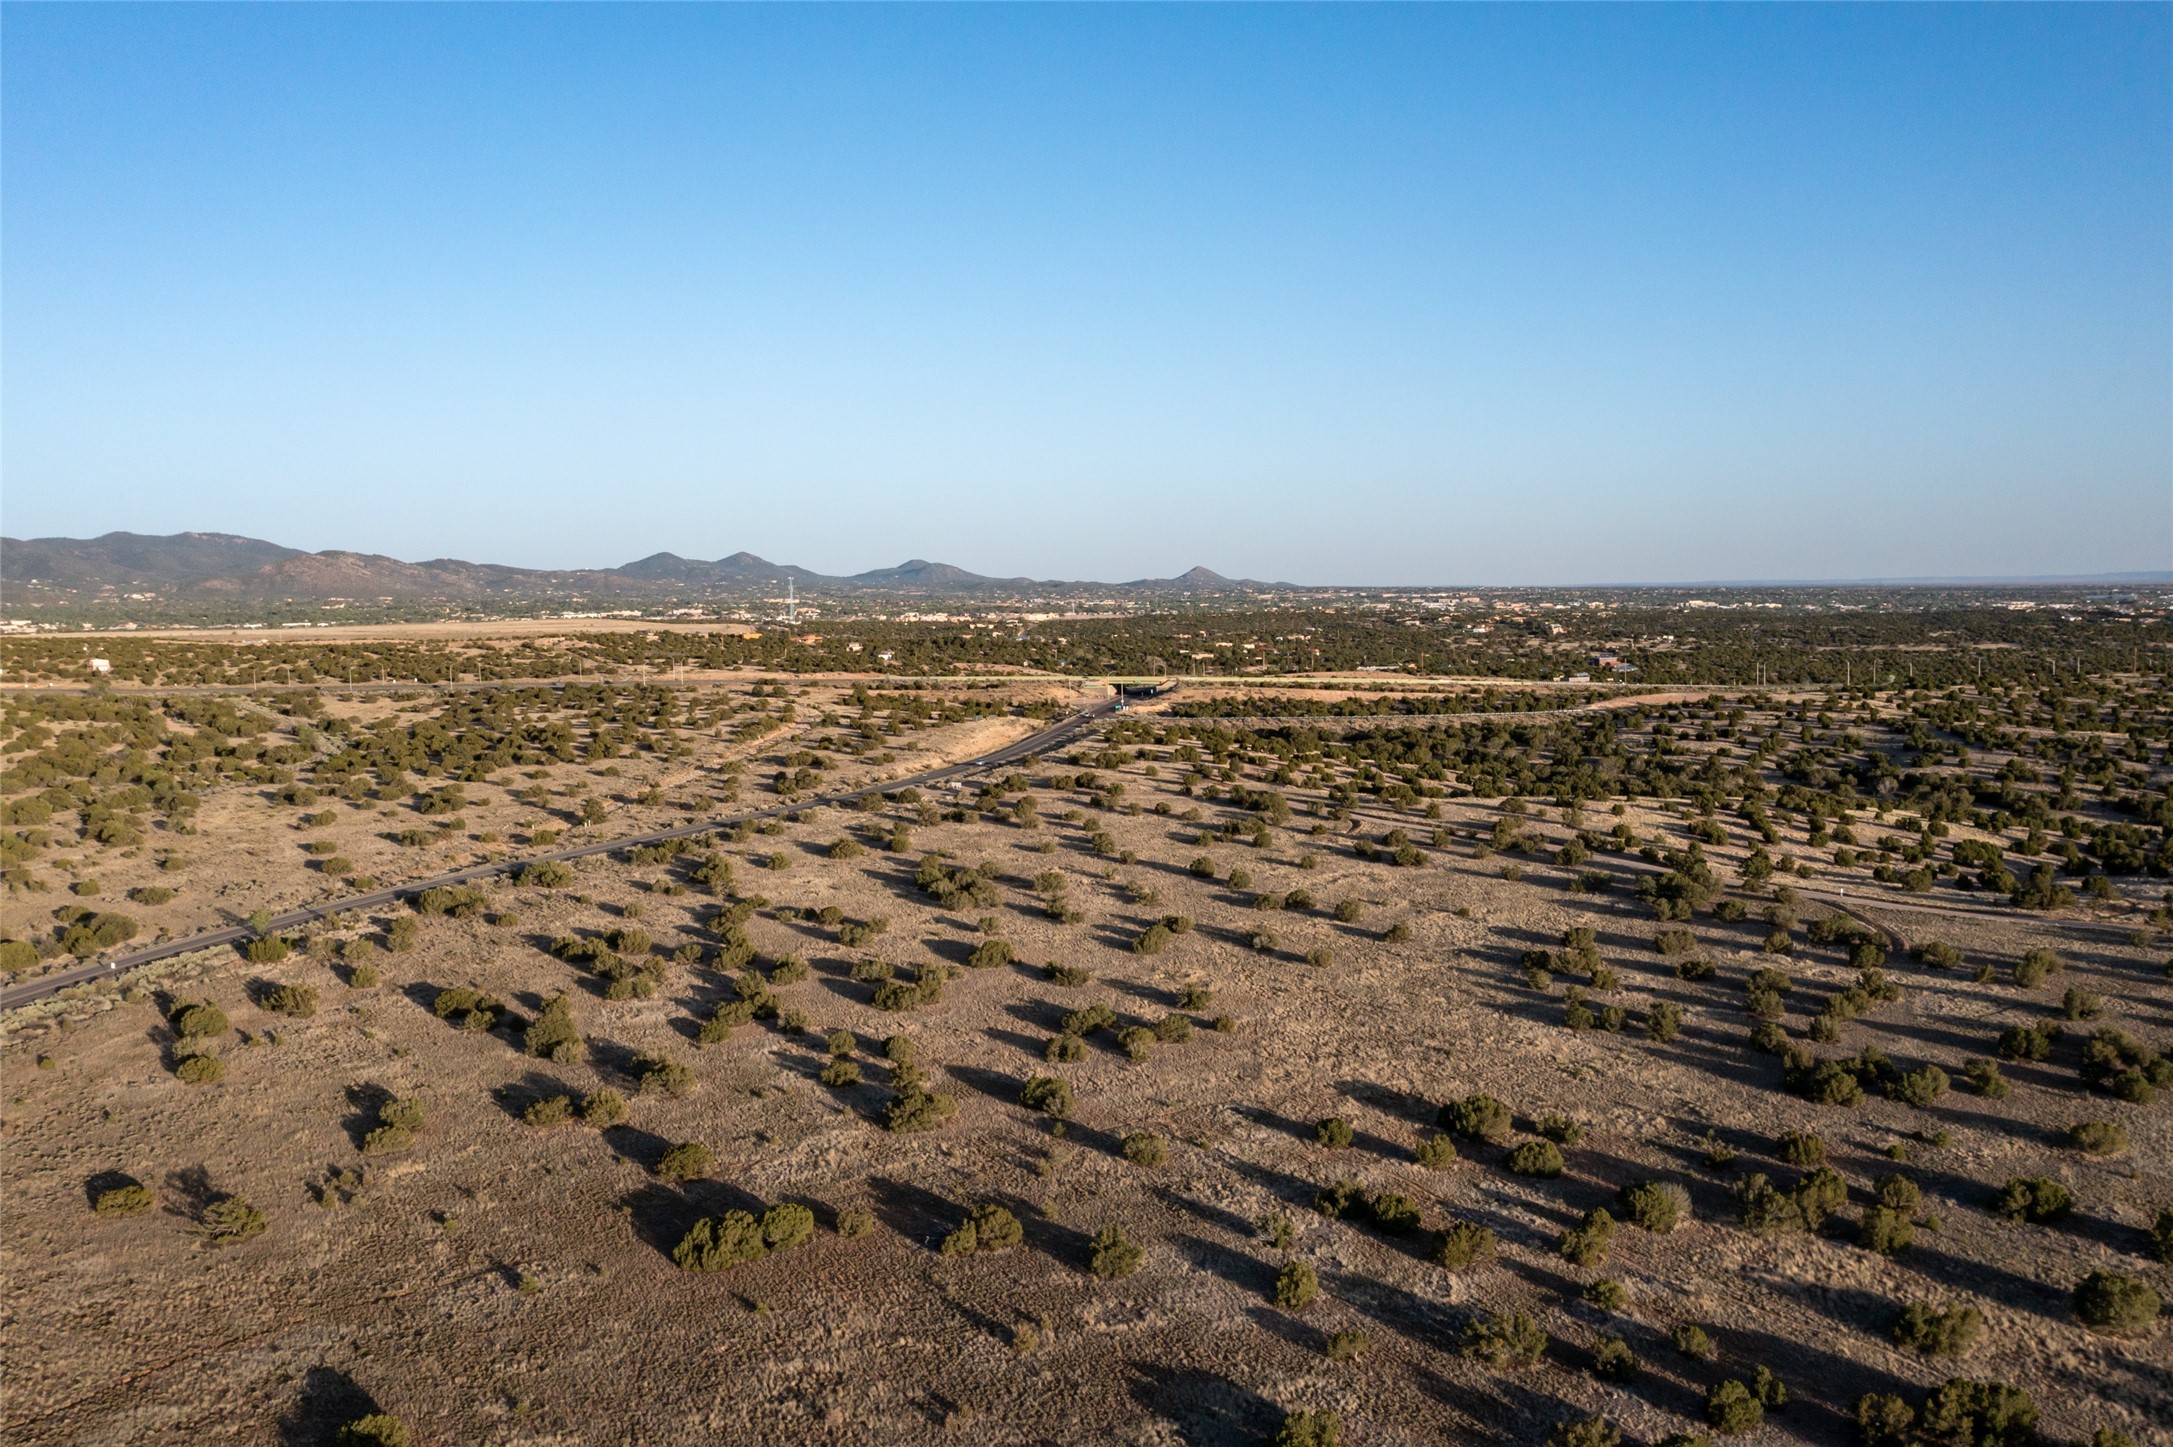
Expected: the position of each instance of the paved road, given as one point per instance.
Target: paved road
(1055, 736)
(128, 688)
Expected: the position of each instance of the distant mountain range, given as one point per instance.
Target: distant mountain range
(216, 565)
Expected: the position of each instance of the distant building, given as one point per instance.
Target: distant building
(101, 665)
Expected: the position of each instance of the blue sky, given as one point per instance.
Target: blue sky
(1331, 294)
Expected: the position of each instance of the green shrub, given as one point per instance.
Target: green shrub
(2099, 1138)
(1654, 1205)
(686, 1161)
(787, 1225)
(1607, 1294)
(2028, 1042)
(1113, 1255)
(1884, 1420)
(199, 1021)
(297, 1000)
(1693, 1342)
(658, 1072)
(1334, 1132)
(125, 1200)
(1732, 1408)
(853, 1224)
(1047, 1094)
(2114, 1303)
(987, 1227)
(602, 1108)
(269, 950)
(899, 994)
(2033, 1199)
(1479, 1118)
(1394, 1212)
(1897, 1192)
(2161, 1236)
(717, 1242)
(1984, 1078)
(1612, 1359)
(545, 874)
(378, 1429)
(1310, 1429)
(2037, 966)
(1086, 1021)
(990, 953)
(87, 933)
(1560, 1129)
(1144, 1148)
(1920, 1087)
(1885, 1231)
(1296, 1286)
(1802, 1148)
(1938, 955)
(1595, 1431)
(1436, 1152)
(548, 1111)
(1152, 940)
(399, 1121)
(840, 1073)
(1536, 1158)
(200, 1070)
(1461, 1245)
(1335, 1201)
(1505, 1342)
(1935, 1333)
(915, 1110)
(1978, 1414)
(552, 1034)
(1765, 1209)
(228, 1221)
(1585, 1244)
(1344, 1346)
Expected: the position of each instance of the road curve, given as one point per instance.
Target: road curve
(31, 991)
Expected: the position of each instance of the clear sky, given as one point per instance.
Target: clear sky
(1327, 294)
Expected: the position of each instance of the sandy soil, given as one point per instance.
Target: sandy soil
(502, 1283)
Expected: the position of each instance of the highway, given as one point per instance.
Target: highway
(1056, 736)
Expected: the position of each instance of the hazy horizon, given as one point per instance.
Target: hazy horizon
(1321, 295)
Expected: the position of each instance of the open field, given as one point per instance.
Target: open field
(439, 1158)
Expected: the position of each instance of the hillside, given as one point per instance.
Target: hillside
(216, 565)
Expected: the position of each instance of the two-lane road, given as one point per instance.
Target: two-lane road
(1055, 736)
